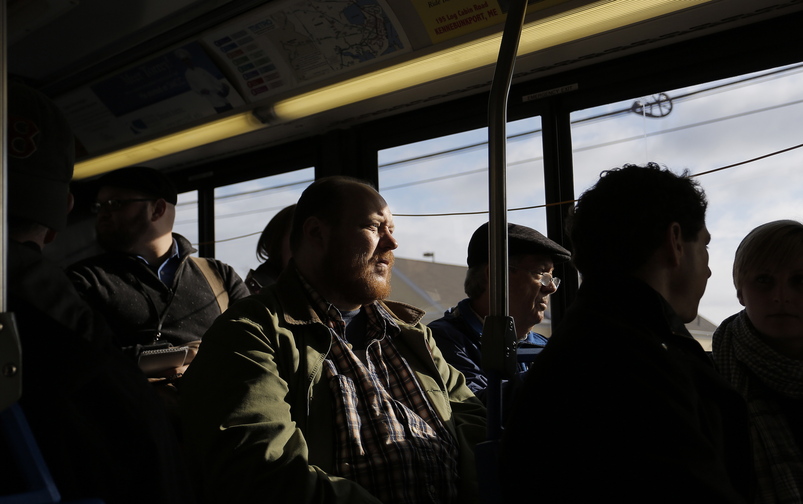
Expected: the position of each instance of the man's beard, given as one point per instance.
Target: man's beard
(122, 238)
(356, 278)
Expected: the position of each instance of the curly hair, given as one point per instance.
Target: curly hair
(619, 222)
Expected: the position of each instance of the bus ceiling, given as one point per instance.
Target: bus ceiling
(172, 83)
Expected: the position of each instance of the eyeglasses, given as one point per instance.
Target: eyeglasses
(545, 279)
(115, 204)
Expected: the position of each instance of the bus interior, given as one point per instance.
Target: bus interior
(396, 92)
(344, 87)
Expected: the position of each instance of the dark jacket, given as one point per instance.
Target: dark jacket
(133, 299)
(260, 412)
(101, 429)
(459, 336)
(628, 408)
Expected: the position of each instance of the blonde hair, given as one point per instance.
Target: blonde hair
(767, 246)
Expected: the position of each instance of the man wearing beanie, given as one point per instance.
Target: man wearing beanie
(147, 284)
(98, 423)
(532, 257)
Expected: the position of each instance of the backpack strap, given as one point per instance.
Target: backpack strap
(214, 280)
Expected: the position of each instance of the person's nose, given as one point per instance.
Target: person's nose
(549, 289)
(779, 293)
(388, 242)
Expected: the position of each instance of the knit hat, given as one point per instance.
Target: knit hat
(139, 178)
(521, 240)
(41, 153)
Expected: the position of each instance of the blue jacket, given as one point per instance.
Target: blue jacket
(458, 335)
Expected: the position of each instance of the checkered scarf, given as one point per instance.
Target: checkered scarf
(753, 367)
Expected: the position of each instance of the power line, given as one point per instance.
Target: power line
(480, 212)
(775, 74)
(748, 161)
(251, 193)
(522, 135)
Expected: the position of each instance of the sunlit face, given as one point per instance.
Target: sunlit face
(528, 299)
(773, 299)
(359, 253)
(695, 274)
(121, 229)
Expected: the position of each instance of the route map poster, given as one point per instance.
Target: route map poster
(164, 92)
(301, 41)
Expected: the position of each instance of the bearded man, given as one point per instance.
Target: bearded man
(147, 285)
(317, 390)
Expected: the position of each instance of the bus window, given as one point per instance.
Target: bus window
(702, 128)
(187, 217)
(242, 210)
(438, 192)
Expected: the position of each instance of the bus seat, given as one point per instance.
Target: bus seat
(21, 462)
(37, 484)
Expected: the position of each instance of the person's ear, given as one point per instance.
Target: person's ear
(316, 232)
(159, 209)
(740, 297)
(50, 235)
(70, 202)
(674, 244)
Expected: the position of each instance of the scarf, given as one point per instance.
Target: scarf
(754, 369)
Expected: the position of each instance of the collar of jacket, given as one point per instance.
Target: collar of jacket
(298, 310)
(185, 249)
(636, 301)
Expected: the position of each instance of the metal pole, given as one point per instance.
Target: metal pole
(3, 159)
(498, 332)
(497, 152)
(10, 350)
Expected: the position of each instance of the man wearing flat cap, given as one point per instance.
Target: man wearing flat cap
(147, 284)
(532, 256)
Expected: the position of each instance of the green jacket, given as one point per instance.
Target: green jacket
(258, 419)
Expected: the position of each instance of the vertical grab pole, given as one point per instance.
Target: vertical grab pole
(498, 332)
(3, 160)
(10, 352)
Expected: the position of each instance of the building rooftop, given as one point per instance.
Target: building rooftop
(436, 287)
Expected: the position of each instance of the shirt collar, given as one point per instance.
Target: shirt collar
(167, 270)
(330, 315)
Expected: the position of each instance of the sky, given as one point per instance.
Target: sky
(710, 126)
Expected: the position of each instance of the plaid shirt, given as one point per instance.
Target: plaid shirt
(389, 438)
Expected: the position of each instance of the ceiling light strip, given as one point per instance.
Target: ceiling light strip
(559, 29)
(170, 144)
